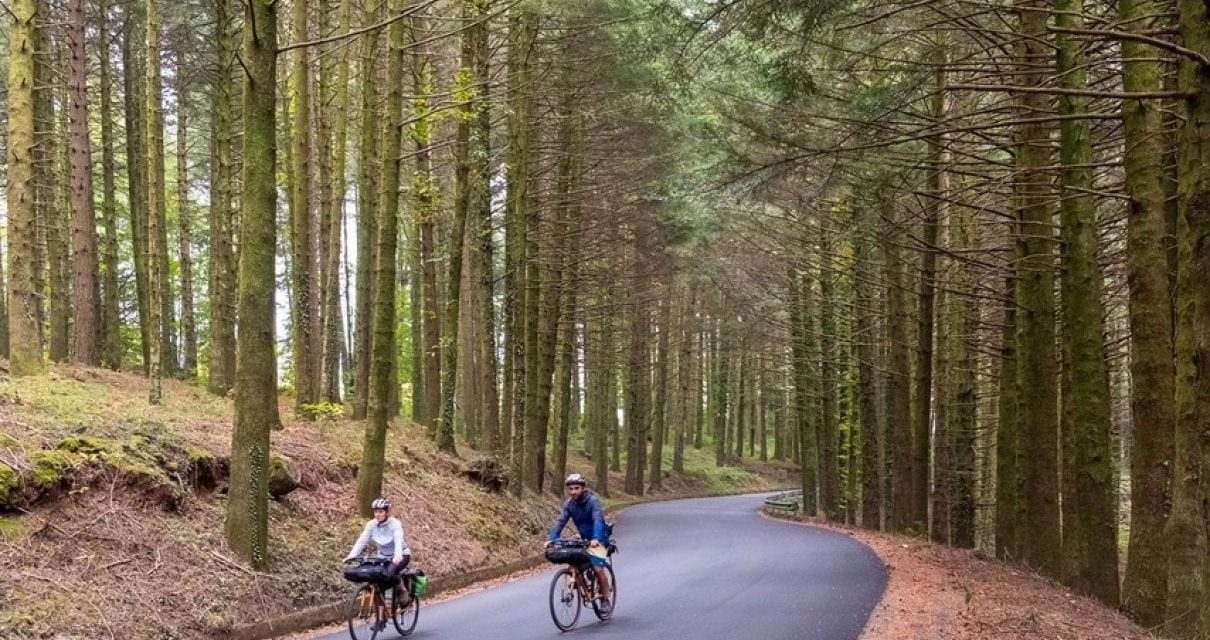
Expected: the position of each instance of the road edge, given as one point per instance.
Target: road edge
(829, 528)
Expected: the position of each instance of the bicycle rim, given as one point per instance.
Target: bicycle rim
(363, 614)
(564, 600)
(613, 597)
(404, 617)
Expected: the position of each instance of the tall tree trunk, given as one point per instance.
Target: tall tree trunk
(453, 282)
(157, 274)
(85, 297)
(1008, 434)
(638, 391)
(25, 344)
(369, 476)
(424, 208)
(801, 354)
(134, 94)
(333, 317)
(963, 460)
(1089, 497)
(56, 215)
(829, 464)
(522, 32)
(222, 274)
(1145, 586)
(1036, 362)
(867, 387)
(247, 522)
(480, 209)
(571, 169)
(111, 293)
(305, 314)
(1187, 585)
(659, 412)
(898, 398)
(185, 231)
(368, 168)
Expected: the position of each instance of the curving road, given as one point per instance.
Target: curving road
(693, 570)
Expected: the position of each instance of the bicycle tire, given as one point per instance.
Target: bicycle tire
(405, 618)
(562, 598)
(613, 597)
(364, 625)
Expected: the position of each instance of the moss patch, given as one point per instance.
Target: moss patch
(11, 529)
(8, 483)
(49, 467)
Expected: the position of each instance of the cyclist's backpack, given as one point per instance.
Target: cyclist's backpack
(419, 583)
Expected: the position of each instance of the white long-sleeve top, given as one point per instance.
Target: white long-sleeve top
(387, 537)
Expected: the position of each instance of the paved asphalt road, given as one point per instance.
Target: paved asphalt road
(699, 569)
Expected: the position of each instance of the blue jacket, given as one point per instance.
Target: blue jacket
(586, 513)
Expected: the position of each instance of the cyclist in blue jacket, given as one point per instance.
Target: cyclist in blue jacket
(583, 508)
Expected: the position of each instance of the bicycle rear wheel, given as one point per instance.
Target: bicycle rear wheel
(613, 596)
(564, 599)
(364, 613)
(405, 610)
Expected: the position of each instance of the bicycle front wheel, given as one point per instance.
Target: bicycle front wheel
(613, 596)
(564, 599)
(405, 611)
(364, 613)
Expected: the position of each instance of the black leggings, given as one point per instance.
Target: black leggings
(394, 570)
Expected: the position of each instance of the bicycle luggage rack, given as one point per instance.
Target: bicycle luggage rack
(783, 503)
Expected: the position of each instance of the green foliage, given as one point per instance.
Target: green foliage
(324, 410)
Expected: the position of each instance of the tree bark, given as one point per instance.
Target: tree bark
(184, 222)
(1145, 586)
(135, 96)
(25, 344)
(247, 522)
(222, 276)
(1089, 497)
(161, 354)
(369, 476)
(303, 259)
(86, 300)
(368, 167)
(1036, 362)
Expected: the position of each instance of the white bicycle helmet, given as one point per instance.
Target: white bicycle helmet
(575, 478)
(380, 503)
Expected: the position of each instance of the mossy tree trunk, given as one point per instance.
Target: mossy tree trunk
(247, 524)
(1145, 586)
(1036, 362)
(111, 293)
(369, 476)
(134, 95)
(305, 312)
(25, 344)
(368, 172)
(1089, 497)
(1187, 585)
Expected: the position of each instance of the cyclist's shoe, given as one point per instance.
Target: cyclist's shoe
(605, 606)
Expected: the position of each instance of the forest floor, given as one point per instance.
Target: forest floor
(943, 593)
(111, 510)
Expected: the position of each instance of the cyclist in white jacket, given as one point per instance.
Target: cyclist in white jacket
(387, 534)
